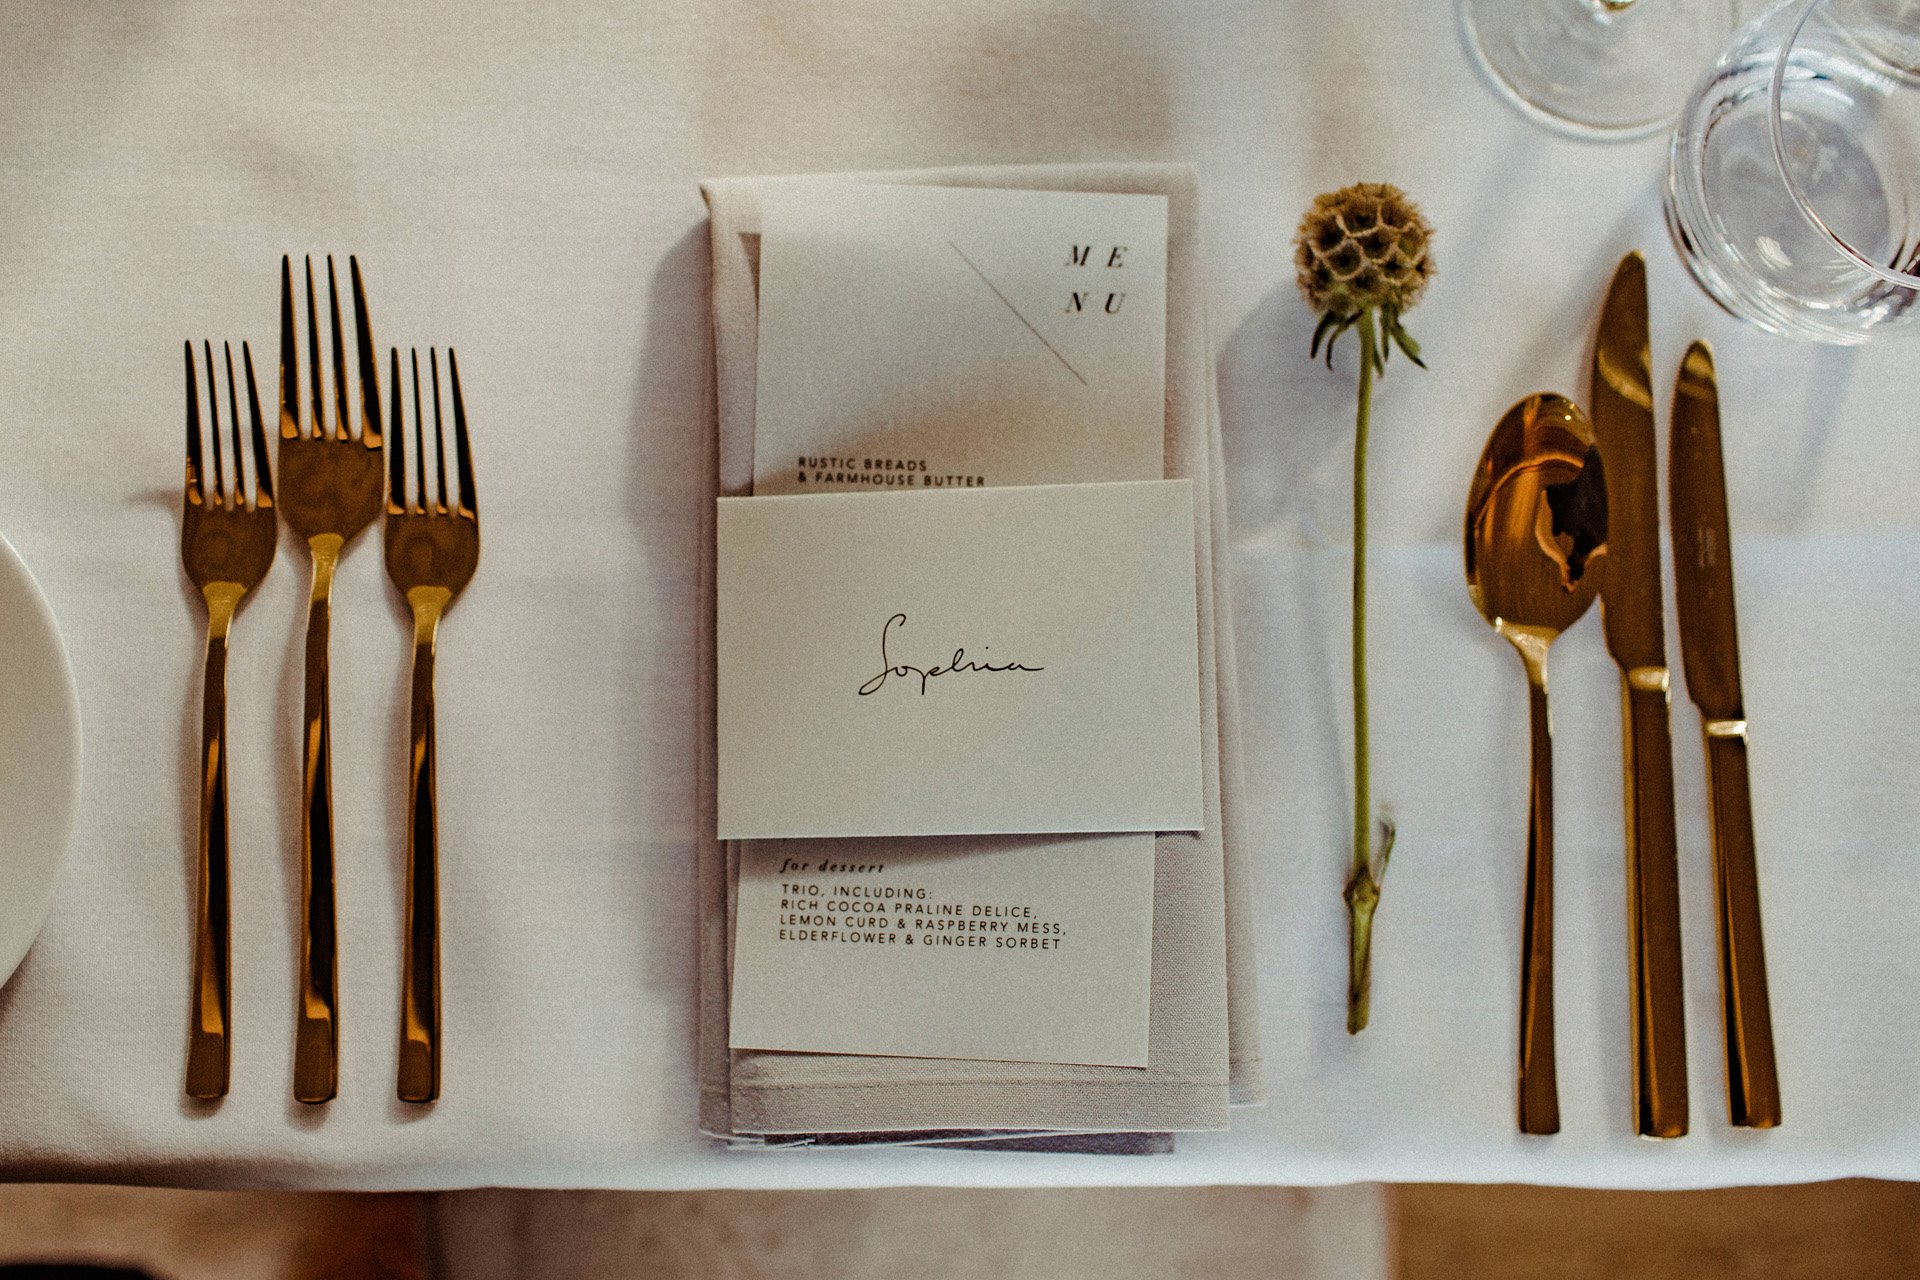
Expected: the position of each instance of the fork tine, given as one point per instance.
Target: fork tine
(213, 425)
(262, 460)
(396, 447)
(194, 496)
(289, 356)
(419, 438)
(341, 418)
(439, 435)
(462, 453)
(316, 413)
(233, 416)
(370, 432)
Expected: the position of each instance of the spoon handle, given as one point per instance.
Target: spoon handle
(1539, 1088)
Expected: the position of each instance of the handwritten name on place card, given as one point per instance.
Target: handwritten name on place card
(959, 663)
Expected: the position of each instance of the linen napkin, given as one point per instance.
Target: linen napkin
(1203, 1041)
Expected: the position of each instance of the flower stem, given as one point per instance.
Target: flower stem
(1363, 886)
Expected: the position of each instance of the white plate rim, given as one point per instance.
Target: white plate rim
(47, 845)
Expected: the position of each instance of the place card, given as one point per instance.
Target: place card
(986, 947)
(916, 337)
(964, 662)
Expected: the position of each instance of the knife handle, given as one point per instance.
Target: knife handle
(1653, 912)
(1539, 1086)
(1753, 1086)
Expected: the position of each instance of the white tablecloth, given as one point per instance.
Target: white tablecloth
(520, 182)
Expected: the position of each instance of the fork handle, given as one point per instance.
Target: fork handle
(316, 1045)
(419, 1079)
(209, 1051)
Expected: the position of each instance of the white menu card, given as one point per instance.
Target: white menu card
(937, 339)
(948, 337)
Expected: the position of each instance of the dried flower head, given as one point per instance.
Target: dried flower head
(1363, 246)
(1364, 251)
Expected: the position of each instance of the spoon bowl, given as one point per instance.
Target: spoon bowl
(1536, 539)
(1537, 518)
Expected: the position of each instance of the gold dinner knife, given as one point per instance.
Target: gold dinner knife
(1710, 654)
(1630, 598)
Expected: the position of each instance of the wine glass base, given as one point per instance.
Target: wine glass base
(1590, 72)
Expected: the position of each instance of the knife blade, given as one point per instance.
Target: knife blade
(1622, 410)
(1710, 655)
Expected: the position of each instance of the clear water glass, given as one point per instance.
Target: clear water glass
(1793, 183)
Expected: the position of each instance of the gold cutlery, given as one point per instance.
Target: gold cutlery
(1710, 655)
(1631, 607)
(226, 543)
(330, 482)
(433, 547)
(1536, 530)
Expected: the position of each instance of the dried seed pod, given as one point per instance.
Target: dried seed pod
(1363, 247)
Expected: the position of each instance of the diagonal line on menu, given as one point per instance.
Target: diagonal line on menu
(1016, 311)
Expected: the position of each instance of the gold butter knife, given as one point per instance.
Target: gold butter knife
(1710, 654)
(1630, 598)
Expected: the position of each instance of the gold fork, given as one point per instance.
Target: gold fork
(226, 544)
(330, 482)
(433, 547)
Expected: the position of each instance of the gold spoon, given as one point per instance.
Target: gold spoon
(1536, 536)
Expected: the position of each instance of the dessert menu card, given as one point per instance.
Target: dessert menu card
(989, 947)
(916, 339)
